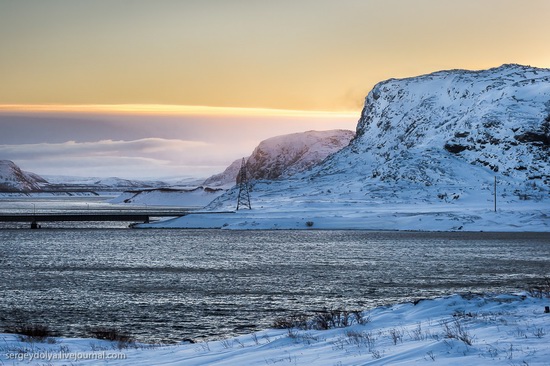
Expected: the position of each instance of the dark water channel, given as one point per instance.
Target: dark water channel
(166, 285)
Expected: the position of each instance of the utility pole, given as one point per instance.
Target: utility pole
(243, 200)
(495, 192)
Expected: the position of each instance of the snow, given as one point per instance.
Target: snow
(197, 197)
(53, 195)
(425, 157)
(227, 178)
(13, 179)
(285, 155)
(273, 158)
(532, 217)
(468, 329)
(102, 183)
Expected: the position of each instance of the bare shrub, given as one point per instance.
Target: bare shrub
(396, 335)
(292, 321)
(322, 320)
(455, 330)
(357, 316)
(114, 335)
(335, 318)
(431, 355)
(32, 332)
(241, 344)
(361, 338)
(416, 334)
(227, 343)
(540, 289)
(292, 333)
(539, 332)
(205, 346)
(376, 354)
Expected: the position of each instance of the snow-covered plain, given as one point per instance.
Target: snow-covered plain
(469, 329)
(196, 197)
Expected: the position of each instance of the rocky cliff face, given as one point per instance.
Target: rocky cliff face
(13, 179)
(498, 119)
(454, 128)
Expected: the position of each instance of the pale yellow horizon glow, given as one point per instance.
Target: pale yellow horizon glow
(163, 109)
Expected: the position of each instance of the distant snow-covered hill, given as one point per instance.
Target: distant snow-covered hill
(112, 184)
(13, 179)
(283, 156)
(274, 158)
(227, 178)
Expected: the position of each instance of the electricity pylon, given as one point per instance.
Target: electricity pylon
(244, 188)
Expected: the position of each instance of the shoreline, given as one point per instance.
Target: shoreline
(467, 328)
(398, 218)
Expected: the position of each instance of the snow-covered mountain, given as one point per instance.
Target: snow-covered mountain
(111, 182)
(283, 156)
(425, 156)
(227, 178)
(13, 179)
(441, 128)
(96, 184)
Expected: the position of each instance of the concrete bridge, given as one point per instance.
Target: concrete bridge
(131, 215)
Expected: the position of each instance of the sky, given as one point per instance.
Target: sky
(139, 88)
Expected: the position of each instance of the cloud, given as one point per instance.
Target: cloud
(145, 145)
(149, 157)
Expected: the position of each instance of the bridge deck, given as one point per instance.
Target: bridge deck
(87, 216)
(133, 216)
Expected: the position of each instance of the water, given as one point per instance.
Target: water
(167, 285)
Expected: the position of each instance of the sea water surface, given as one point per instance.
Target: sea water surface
(169, 285)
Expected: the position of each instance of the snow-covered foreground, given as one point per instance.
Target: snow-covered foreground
(455, 330)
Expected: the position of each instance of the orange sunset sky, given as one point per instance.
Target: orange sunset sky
(209, 79)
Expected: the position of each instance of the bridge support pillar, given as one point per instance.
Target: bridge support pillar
(34, 225)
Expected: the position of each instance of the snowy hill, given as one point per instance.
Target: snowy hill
(425, 156)
(13, 179)
(424, 129)
(274, 158)
(283, 156)
(226, 178)
(112, 183)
